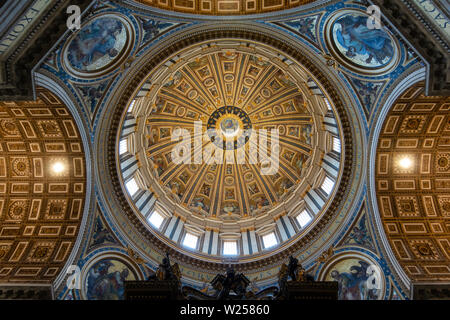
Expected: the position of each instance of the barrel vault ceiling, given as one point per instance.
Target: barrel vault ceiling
(42, 188)
(414, 200)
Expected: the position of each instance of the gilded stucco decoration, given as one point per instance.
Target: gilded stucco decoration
(42, 188)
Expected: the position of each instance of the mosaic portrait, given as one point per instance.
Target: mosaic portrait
(97, 45)
(105, 280)
(360, 46)
(355, 281)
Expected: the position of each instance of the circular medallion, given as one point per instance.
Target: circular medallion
(229, 181)
(359, 276)
(99, 47)
(192, 94)
(357, 46)
(228, 77)
(277, 110)
(181, 111)
(209, 82)
(249, 81)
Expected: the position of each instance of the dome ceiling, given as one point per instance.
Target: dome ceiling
(413, 183)
(220, 7)
(235, 90)
(42, 188)
(234, 94)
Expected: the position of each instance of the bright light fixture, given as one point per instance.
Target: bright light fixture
(405, 162)
(58, 167)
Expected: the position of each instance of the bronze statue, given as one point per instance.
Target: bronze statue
(166, 271)
(295, 272)
(231, 286)
(293, 268)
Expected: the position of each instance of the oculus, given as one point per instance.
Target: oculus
(229, 127)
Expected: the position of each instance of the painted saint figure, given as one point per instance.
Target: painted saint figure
(353, 284)
(357, 39)
(105, 282)
(95, 41)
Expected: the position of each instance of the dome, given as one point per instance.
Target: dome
(230, 150)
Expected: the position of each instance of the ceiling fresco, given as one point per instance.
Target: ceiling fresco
(104, 280)
(358, 47)
(413, 183)
(42, 188)
(98, 46)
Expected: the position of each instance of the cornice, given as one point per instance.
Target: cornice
(18, 66)
(419, 37)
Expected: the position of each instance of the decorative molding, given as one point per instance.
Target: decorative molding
(423, 41)
(18, 67)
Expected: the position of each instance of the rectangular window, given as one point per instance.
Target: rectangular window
(190, 241)
(132, 187)
(230, 248)
(156, 219)
(269, 240)
(303, 218)
(123, 146)
(327, 185)
(336, 145)
(328, 104)
(130, 108)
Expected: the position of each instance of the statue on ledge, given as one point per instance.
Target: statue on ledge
(166, 271)
(295, 272)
